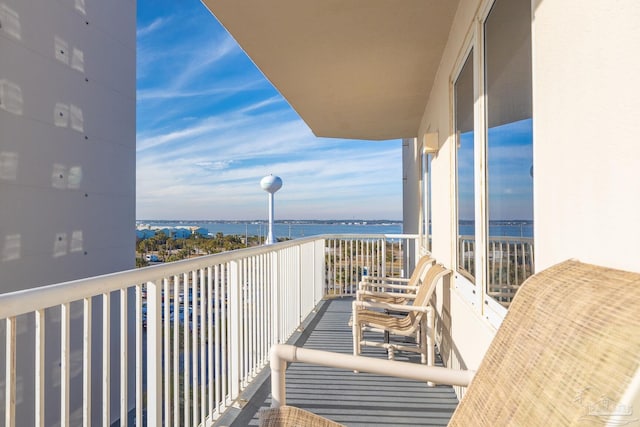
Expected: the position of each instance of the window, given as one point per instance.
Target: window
(509, 147)
(464, 122)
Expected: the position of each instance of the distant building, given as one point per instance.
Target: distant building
(201, 231)
(180, 233)
(145, 234)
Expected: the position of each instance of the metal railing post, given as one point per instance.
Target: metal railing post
(154, 354)
(275, 299)
(235, 330)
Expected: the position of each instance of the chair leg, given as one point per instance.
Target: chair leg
(422, 340)
(430, 333)
(391, 352)
(430, 341)
(357, 331)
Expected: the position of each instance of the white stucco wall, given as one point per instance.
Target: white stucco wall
(586, 109)
(67, 172)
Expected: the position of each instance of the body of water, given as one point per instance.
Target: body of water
(293, 230)
(301, 229)
(501, 229)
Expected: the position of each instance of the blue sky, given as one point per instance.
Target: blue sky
(210, 126)
(510, 159)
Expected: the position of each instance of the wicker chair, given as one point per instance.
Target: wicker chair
(415, 321)
(567, 353)
(293, 417)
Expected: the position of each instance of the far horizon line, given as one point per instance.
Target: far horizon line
(275, 220)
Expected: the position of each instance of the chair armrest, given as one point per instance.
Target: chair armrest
(363, 295)
(394, 307)
(365, 286)
(385, 279)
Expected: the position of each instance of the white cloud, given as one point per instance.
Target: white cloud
(210, 127)
(155, 25)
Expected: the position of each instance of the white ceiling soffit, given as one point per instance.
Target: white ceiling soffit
(359, 69)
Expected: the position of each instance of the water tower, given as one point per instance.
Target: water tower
(271, 184)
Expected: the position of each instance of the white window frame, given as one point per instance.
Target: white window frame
(472, 293)
(475, 294)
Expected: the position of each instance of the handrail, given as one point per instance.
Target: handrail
(282, 353)
(29, 300)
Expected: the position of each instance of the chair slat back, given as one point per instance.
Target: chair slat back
(567, 353)
(430, 278)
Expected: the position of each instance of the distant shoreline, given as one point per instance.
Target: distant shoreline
(281, 221)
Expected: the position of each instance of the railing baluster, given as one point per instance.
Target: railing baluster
(244, 324)
(186, 355)
(225, 286)
(235, 319)
(10, 373)
(193, 304)
(86, 362)
(217, 304)
(254, 317)
(106, 359)
(261, 322)
(39, 367)
(139, 366)
(154, 354)
(166, 348)
(64, 365)
(213, 324)
(250, 325)
(203, 301)
(176, 350)
(124, 360)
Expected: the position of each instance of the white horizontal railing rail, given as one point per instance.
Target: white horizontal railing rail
(174, 344)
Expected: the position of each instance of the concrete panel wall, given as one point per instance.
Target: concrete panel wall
(67, 171)
(67, 142)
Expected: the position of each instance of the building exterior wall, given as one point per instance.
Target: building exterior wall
(586, 104)
(67, 145)
(67, 169)
(586, 100)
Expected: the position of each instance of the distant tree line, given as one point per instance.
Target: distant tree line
(169, 249)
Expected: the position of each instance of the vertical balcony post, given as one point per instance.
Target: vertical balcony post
(275, 299)
(321, 271)
(384, 257)
(299, 254)
(154, 354)
(40, 374)
(10, 373)
(235, 330)
(65, 339)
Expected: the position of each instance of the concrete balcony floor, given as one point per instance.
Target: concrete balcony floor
(343, 396)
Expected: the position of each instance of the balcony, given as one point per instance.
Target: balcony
(180, 343)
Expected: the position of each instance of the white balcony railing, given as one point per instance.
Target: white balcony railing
(196, 331)
(509, 263)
